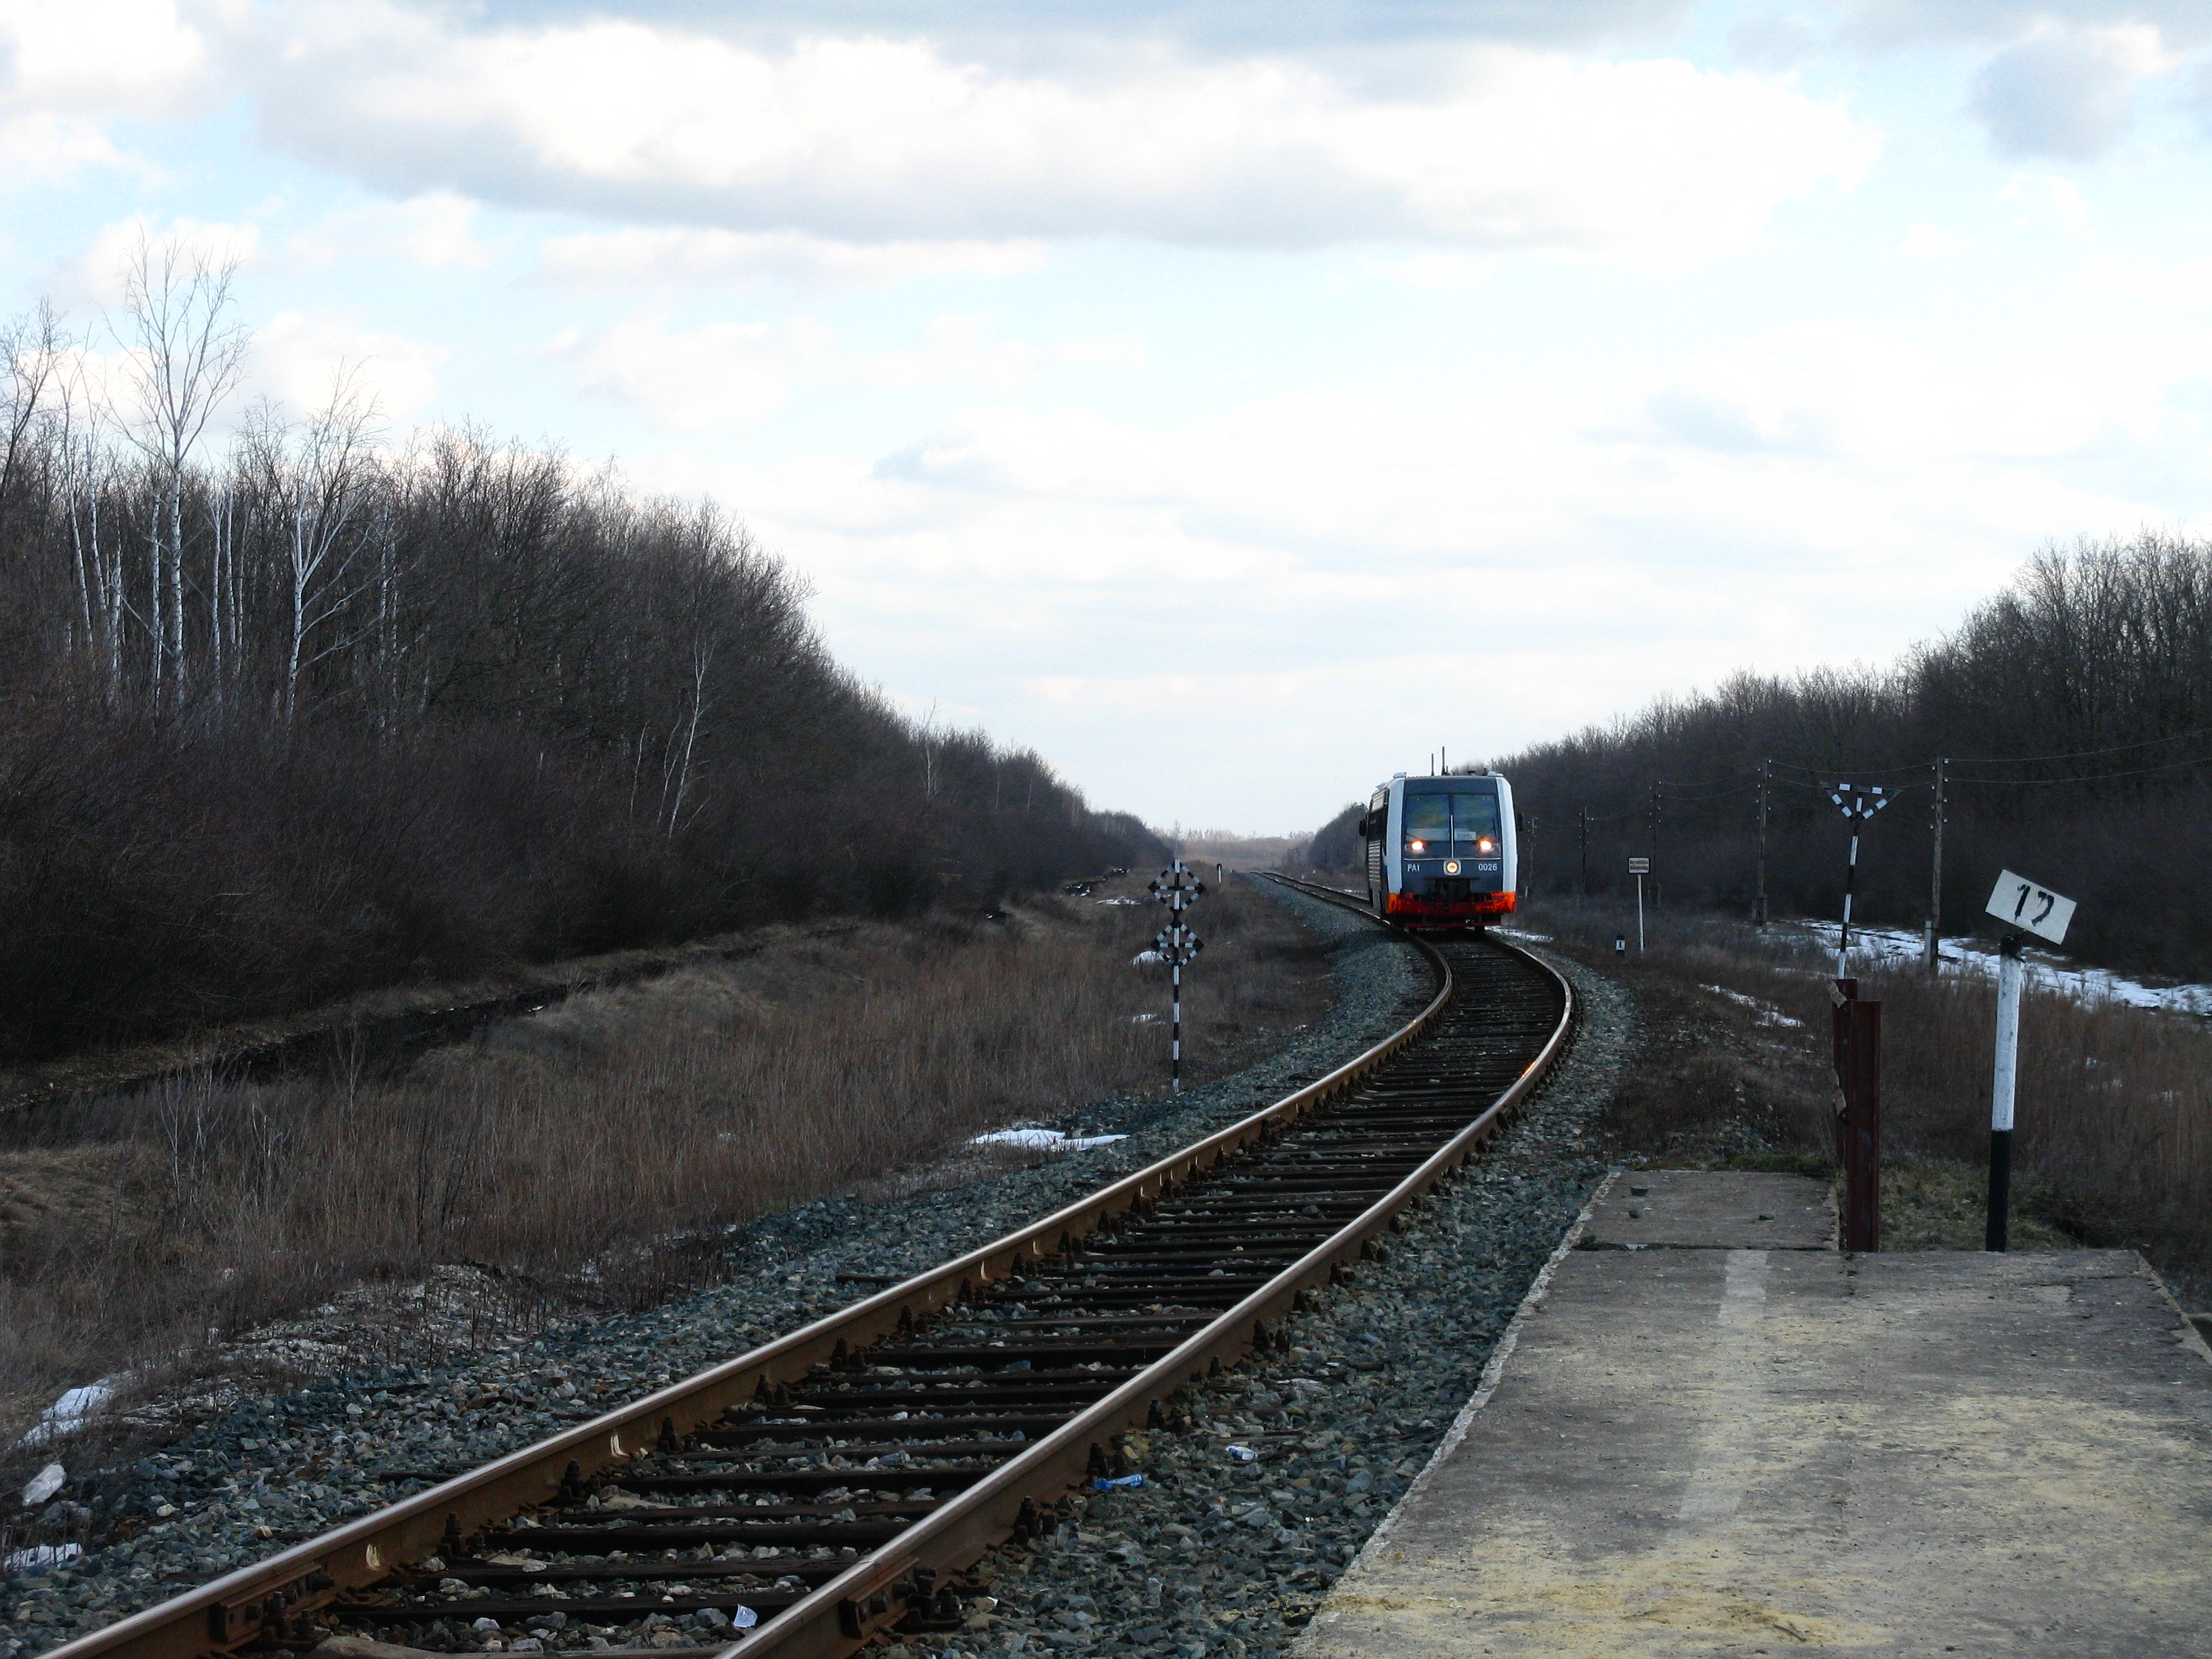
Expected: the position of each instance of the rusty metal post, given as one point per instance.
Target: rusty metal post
(1857, 1050)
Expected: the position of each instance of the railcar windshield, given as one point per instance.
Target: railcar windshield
(1428, 821)
(1460, 822)
(1475, 822)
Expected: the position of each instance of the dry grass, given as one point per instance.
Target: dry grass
(596, 1154)
(2113, 1142)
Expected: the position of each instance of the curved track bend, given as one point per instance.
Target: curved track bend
(846, 1479)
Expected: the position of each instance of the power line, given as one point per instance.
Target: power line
(2087, 777)
(2084, 754)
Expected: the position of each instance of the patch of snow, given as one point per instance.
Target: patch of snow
(71, 1411)
(1044, 1140)
(1523, 934)
(1145, 956)
(1767, 1012)
(44, 1484)
(40, 1556)
(1115, 901)
(2047, 969)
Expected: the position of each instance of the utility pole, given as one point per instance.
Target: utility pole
(1658, 866)
(1759, 915)
(1935, 871)
(1582, 814)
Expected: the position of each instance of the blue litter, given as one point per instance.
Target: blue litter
(1244, 1454)
(1122, 1484)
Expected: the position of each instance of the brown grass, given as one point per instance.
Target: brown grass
(2113, 1140)
(595, 1154)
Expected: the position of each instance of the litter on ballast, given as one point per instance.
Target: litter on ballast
(44, 1484)
(1244, 1454)
(743, 1617)
(1119, 1483)
(1044, 1140)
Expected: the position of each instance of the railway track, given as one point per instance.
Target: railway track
(845, 1480)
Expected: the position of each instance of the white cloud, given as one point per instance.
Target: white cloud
(64, 65)
(2055, 200)
(878, 140)
(1934, 242)
(2067, 95)
(297, 355)
(135, 56)
(721, 374)
(43, 146)
(1835, 391)
(627, 261)
(725, 374)
(1443, 269)
(435, 232)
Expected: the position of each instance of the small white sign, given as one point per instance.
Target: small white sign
(2032, 908)
(1639, 866)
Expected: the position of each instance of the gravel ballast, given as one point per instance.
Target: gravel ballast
(1212, 1556)
(1216, 1556)
(274, 1469)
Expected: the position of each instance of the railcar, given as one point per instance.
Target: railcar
(1442, 851)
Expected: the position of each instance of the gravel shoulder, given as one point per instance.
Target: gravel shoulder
(273, 1469)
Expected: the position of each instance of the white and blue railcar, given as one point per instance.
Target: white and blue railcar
(1440, 851)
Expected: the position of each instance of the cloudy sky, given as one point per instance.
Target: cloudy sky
(1237, 401)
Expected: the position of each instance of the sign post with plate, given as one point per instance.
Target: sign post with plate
(1639, 868)
(2034, 909)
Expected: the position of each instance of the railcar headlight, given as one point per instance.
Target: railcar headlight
(1451, 867)
(1485, 846)
(1417, 847)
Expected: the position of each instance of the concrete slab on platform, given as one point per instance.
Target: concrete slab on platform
(1701, 1209)
(1734, 1450)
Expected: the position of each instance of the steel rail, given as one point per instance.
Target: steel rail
(873, 1591)
(960, 1532)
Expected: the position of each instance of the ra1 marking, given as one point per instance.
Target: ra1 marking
(2031, 907)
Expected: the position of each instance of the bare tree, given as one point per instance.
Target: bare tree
(186, 356)
(31, 352)
(317, 485)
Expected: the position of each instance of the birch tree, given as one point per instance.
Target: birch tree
(318, 484)
(185, 354)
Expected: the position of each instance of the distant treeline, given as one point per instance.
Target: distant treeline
(320, 714)
(2073, 713)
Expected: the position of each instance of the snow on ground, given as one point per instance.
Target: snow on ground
(1044, 1140)
(2047, 969)
(1767, 1012)
(69, 1413)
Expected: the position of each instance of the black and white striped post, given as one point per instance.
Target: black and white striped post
(1857, 805)
(1178, 890)
(2031, 909)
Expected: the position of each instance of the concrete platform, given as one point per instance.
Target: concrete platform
(1723, 1442)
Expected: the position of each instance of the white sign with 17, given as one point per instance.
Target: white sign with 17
(2031, 907)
